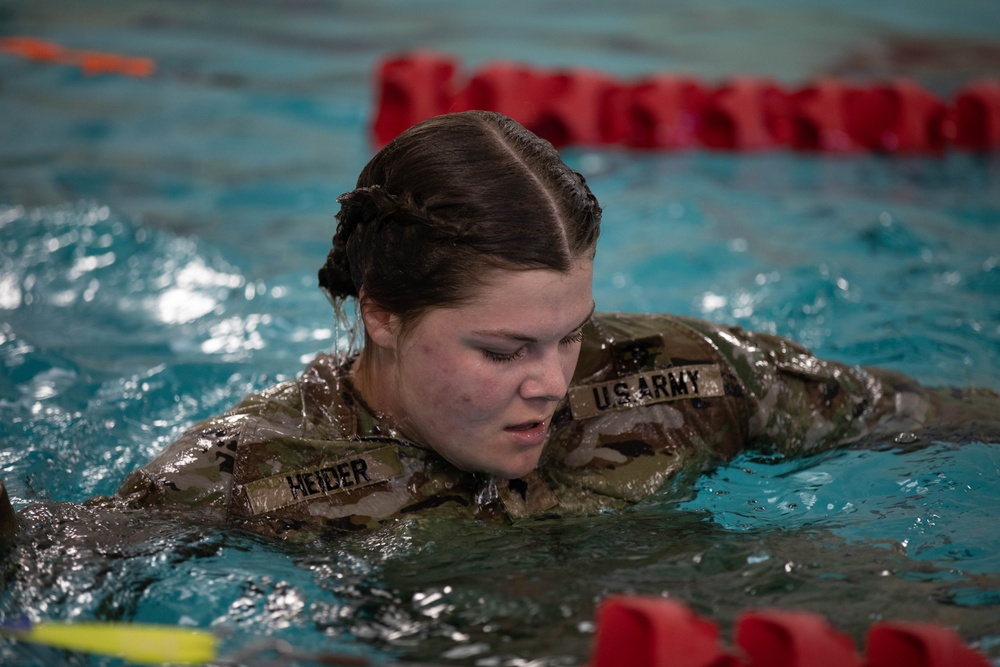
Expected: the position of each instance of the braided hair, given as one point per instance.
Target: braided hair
(449, 199)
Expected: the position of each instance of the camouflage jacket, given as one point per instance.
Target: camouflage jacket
(652, 395)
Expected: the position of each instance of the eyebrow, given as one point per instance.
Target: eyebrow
(513, 335)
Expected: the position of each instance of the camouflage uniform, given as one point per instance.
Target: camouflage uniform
(652, 394)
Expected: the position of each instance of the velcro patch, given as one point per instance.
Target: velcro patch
(632, 391)
(346, 474)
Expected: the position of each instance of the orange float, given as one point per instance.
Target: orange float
(90, 62)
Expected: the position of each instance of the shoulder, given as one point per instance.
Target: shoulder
(329, 463)
(628, 347)
(348, 484)
(197, 468)
(194, 470)
(320, 403)
(651, 394)
(682, 333)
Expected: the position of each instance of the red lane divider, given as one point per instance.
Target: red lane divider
(638, 631)
(658, 112)
(90, 62)
(746, 114)
(783, 639)
(634, 631)
(918, 645)
(584, 107)
(896, 116)
(976, 118)
(819, 118)
(413, 88)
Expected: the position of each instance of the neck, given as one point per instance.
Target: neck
(371, 376)
(367, 375)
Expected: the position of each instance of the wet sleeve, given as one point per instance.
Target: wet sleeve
(799, 403)
(196, 470)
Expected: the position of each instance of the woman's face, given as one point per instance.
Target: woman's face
(478, 383)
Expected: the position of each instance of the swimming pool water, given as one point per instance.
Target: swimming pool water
(158, 246)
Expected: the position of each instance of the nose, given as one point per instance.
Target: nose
(549, 377)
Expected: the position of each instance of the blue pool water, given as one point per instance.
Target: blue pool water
(158, 246)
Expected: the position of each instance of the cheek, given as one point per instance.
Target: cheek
(437, 375)
(456, 381)
(486, 396)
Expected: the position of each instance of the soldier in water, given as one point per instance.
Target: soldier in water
(487, 385)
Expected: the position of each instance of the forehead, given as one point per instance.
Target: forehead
(534, 302)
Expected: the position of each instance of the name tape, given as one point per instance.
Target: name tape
(346, 474)
(633, 391)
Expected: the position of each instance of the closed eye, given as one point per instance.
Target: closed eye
(503, 357)
(506, 357)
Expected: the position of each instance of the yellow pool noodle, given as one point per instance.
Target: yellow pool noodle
(143, 644)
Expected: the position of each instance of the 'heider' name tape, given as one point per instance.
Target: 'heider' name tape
(340, 476)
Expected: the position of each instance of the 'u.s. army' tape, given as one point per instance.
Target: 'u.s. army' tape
(632, 391)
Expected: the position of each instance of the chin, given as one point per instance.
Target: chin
(516, 465)
(517, 472)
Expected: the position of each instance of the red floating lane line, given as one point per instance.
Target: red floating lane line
(412, 88)
(637, 631)
(919, 645)
(670, 112)
(819, 118)
(974, 123)
(793, 639)
(90, 62)
(659, 112)
(643, 631)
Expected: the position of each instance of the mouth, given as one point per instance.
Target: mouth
(529, 433)
(526, 426)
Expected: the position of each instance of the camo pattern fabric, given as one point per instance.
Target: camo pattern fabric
(653, 395)
(303, 454)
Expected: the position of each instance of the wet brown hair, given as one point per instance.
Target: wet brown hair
(448, 200)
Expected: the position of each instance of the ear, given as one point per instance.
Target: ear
(380, 324)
